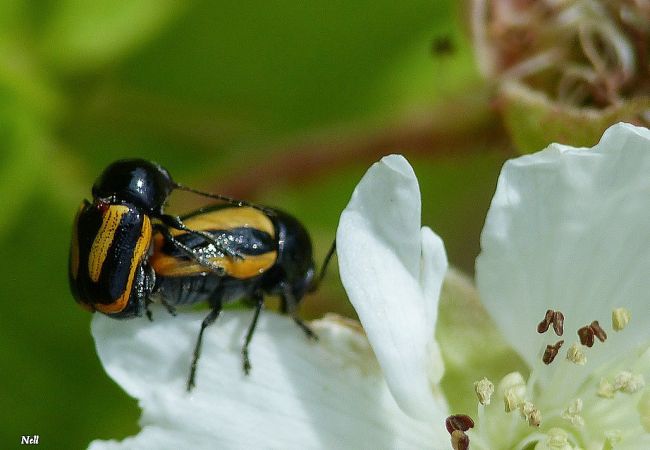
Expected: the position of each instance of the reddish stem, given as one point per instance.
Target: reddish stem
(303, 161)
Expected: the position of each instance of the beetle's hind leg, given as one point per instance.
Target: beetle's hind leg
(289, 306)
(209, 319)
(258, 300)
(168, 306)
(308, 331)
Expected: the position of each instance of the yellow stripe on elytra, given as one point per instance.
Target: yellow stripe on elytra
(248, 267)
(229, 219)
(74, 244)
(104, 238)
(140, 251)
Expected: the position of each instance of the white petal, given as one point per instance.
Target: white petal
(569, 229)
(299, 394)
(392, 271)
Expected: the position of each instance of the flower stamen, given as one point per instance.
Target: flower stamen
(513, 389)
(598, 331)
(460, 422)
(576, 355)
(558, 323)
(586, 335)
(556, 318)
(620, 318)
(628, 383)
(572, 413)
(544, 324)
(588, 332)
(557, 439)
(484, 390)
(551, 352)
(605, 389)
(459, 440)
(456, 425)
(530, 412)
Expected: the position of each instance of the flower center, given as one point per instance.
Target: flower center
(576, 408)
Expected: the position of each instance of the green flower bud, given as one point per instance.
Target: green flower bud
(565, 71)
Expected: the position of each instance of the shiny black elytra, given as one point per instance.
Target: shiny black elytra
(126, 253)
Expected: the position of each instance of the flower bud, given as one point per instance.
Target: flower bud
(565, 71)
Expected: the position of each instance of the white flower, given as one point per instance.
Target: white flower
(299, 394)
(392, 271)
(568, 231)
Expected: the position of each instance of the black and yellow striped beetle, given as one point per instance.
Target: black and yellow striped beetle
(126, 253)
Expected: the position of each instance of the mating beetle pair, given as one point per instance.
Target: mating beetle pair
(126, 253)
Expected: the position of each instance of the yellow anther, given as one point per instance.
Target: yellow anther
(557, 439)
(605, 389)
(620, 318)
(513, 390)
(628, 382)
(531, 414)
(576, 355)
(572, 413)
(484, 390)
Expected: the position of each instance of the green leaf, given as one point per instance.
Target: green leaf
(284, 66)
(23, 134)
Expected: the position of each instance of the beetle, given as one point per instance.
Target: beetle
(111, 240)
(126, 253)
(276, 260)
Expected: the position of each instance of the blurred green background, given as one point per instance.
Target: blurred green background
(286, 103)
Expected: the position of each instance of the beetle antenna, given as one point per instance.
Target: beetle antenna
(224, 198)
(323, 268)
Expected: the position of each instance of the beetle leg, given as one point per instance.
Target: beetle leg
(290, 305)
(143, 290)
(209, 319)
(316, 282)
(308, 331)
(177, 223)
(191, 253)
(259, 303)
(147, 311)
(170, 308)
